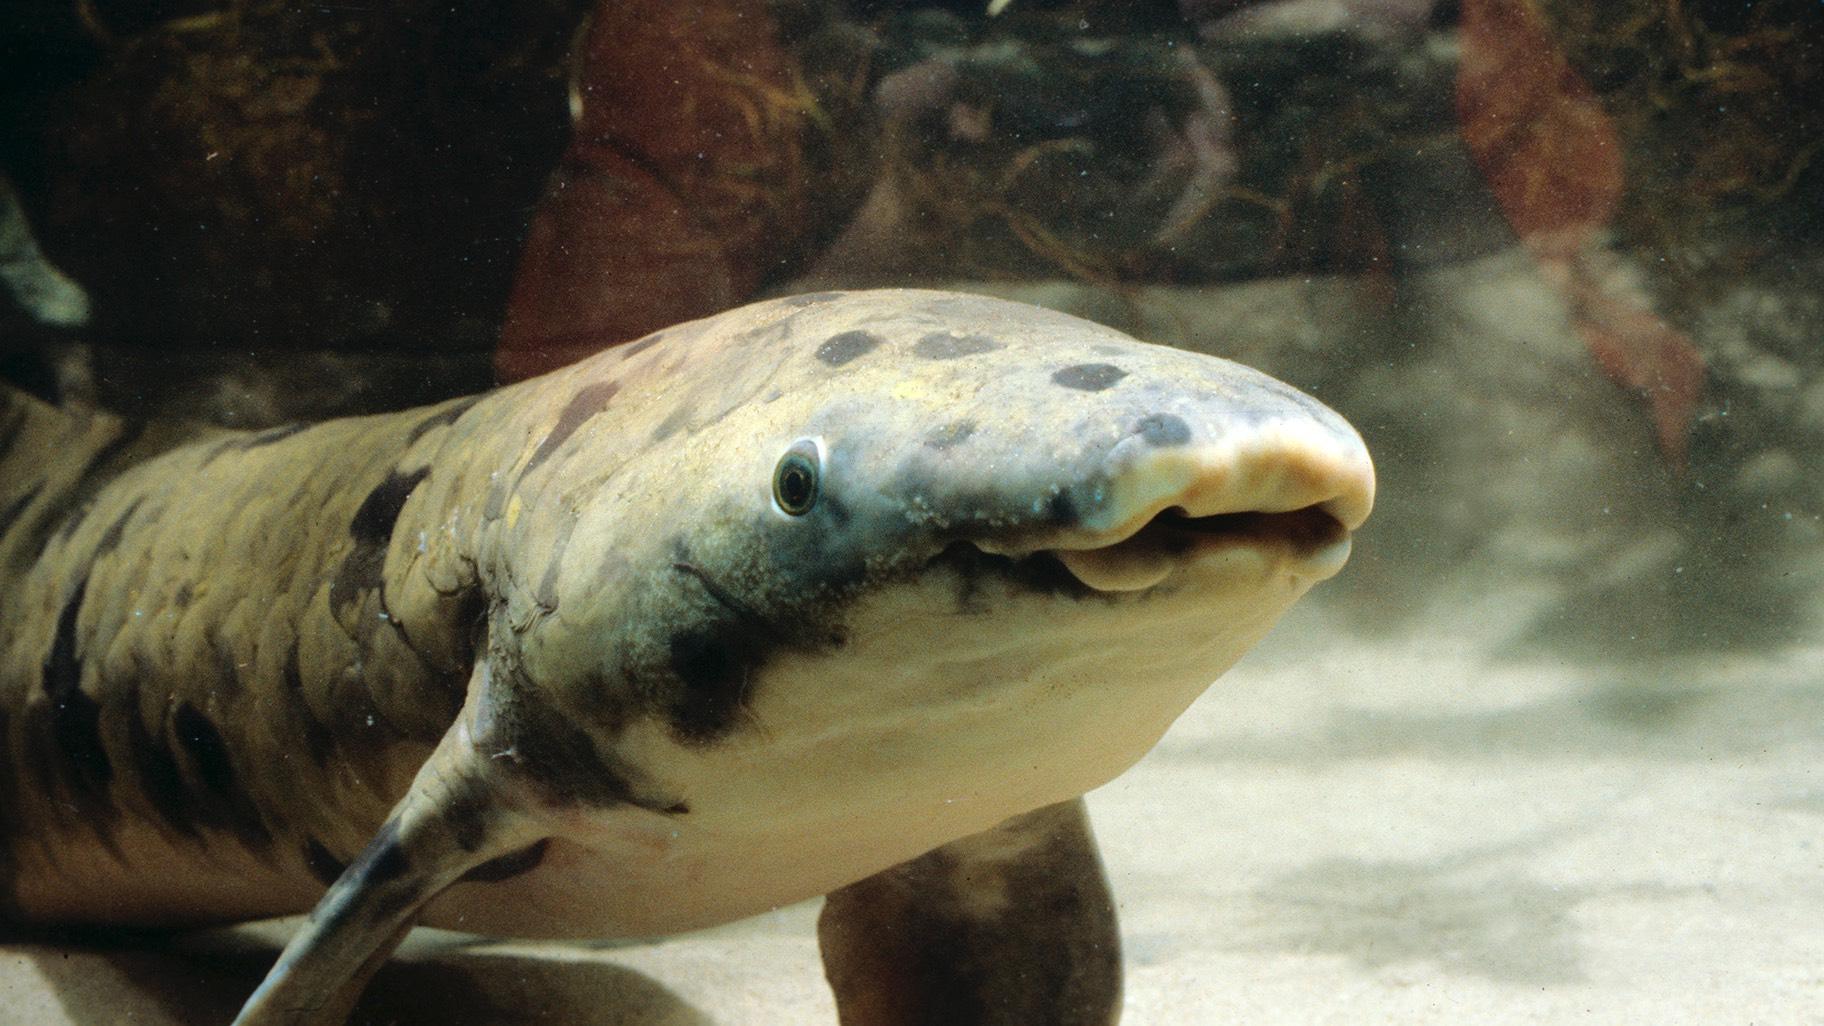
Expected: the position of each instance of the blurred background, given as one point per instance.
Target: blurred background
(1549, 750)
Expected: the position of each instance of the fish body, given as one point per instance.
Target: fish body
(839, 594)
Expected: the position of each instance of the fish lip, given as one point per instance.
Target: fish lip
(1290, 499)
(1280, 501)
(1157, 556)
(1310, 542)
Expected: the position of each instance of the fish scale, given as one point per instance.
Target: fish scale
(559, 660)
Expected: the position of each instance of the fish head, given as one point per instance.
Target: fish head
(890, 503)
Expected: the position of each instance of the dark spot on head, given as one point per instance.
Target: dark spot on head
(943, 345)
(442, 418)
(587, 402)
(953, 433)
(1062, 509)
(677, 809)
(809, 299)
(185, 595)
(372, 531)
(324, 866)
(384, 857)
(510, 865)
(840, 349)
(1163, 429)
(230, 805)
(75, 715)
(1089, 377)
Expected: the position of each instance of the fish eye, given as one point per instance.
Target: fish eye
(795, 479)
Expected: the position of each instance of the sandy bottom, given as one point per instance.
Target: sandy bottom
(1428, 828)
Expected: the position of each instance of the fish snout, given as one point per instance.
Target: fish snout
(1280, 497)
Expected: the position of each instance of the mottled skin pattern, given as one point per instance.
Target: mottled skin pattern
(580, 657)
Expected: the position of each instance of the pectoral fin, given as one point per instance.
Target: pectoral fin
(460, 813)
(1009, 927)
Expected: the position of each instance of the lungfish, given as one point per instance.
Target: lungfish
(848, 594)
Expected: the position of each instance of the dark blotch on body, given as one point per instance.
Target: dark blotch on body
(1164, 430)
(587, 402)
(392, 901)
(941, 345)
(1089, 377)
(442, 418)
(714, 669)
(324, 866)
(676, 421)
(275, 434)
(372, 531)
(373, 521)
(96, 473)
(635, 348)
(17, 507)
(561, 757)
(160, 778)
(75, 715)
(319, 740)
(469, 815)
(715, 659)
(13, 428)
(110, 539)
(510, 865)
(257, 439)
(208, 751)
(384, 858)
(840, 349)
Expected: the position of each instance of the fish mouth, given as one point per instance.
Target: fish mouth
(1282, 509)
(1311, 543)
(1275, 508)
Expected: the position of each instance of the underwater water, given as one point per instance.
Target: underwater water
(1548, 749)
